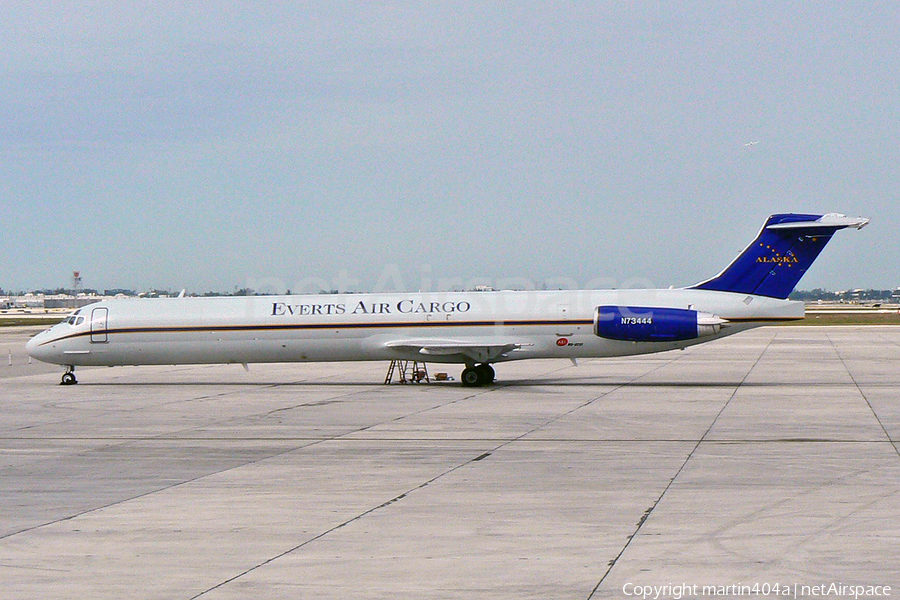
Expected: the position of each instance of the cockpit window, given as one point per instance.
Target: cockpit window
(74, 319)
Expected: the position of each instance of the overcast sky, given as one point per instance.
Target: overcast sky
(215, 145)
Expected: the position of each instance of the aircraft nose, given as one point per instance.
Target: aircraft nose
(36, 349)
(31, 346)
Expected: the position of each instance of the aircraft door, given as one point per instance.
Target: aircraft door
(98, 325)
(563, 328)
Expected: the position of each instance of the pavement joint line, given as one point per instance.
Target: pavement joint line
(168, 435)
(668, 486)
(863, 395)
(362, 514)
(165, 436)
(805, 536)
(244, 417)
(888, 340)
(446, 472)
(229, 468)
(133, 410)
(835, 521)
(504, 442)
(335, 528)
(158, 437)
(137, 496)
(533, 440)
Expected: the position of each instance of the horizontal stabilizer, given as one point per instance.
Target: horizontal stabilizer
(830, 220)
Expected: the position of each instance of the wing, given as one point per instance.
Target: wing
(473, 350)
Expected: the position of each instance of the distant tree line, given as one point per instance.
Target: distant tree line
(857, 295)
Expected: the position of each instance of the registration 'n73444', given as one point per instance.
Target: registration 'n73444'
(637, 320)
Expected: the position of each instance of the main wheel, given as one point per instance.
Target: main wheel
(470, 377)
(68, 378)
(487, 373)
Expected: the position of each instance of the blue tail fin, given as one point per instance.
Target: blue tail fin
(775, 261)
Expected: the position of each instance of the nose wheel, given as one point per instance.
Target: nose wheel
(68, 378)
(482, 374)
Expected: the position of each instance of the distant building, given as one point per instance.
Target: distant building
(69, 302)
(29, 301)
(48, 301)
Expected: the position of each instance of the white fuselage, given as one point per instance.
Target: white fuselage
(342, 327)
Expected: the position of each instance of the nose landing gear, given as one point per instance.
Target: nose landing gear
(482, 374)
(68, 377)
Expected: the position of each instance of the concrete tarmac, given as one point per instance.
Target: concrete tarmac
(771, 457)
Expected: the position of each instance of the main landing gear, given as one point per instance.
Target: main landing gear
(68, 377)
(482, 374)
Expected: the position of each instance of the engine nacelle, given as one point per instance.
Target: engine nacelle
(653, 324)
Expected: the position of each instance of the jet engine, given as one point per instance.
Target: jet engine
(653, 324)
